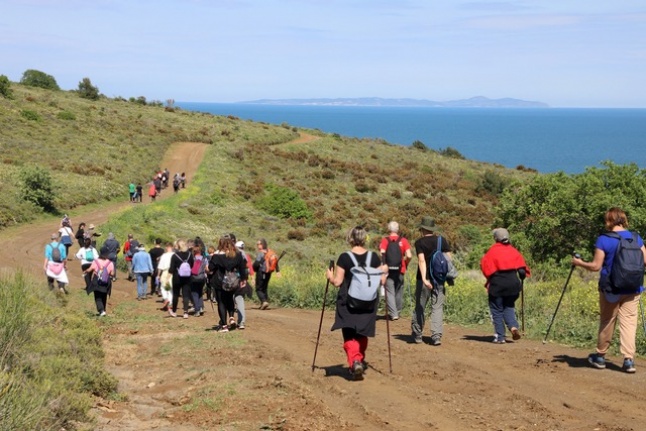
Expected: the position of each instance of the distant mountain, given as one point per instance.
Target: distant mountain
(474, 102)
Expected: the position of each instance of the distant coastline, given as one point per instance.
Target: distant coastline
(474, 102)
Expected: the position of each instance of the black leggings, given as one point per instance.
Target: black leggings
(225, 305)
(185, 290)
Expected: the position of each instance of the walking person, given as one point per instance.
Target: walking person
(142, 267)
(165, 277)
(504, 268)
(66, 236)
(227, 261)
(198, 280)
(180, 268)
(55, 264)
(101, 272)
(265, 265)
(618, 296)
(396, 254)
(129, 249)
(87, 254)
(356, 324)
(239, 295)
(80, 234)
(426, 289)
(155, 253)
(113, 248)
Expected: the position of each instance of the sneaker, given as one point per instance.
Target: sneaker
(357, 370)
(241, 325)
(185, 315)
(264, 305)
(102, 314)
(232, 323)
(629, 366)
(497, 341)
(223, 329)
(436, 341)
(597, 361)
(172, 313)
(418, 339)
(515, 334)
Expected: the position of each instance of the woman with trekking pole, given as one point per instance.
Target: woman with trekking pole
(357, 320)
(505, 269)
(620, 256)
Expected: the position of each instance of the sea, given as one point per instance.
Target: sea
(546, 139)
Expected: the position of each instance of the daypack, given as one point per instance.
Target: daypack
(271, 261)
(184, 269)
(394, 255)
(230, 281)
(56, 253)
(66, 239)
(438, 265)
(132, 249)
(627, 271)
(89, 254)
(102, 275)
(198, 271)
(364, 286)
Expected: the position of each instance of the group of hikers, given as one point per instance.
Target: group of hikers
(186, 269)
(221, 272)
(156, 185)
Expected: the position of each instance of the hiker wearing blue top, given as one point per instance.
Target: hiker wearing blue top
(54, 265)
(618, 296)
(426, 289)
(142, 267)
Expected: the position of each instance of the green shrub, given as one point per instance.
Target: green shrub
(37, 186)
(30, 115)
(66, 115)
(88, 91)
(284, 202)
(5, 87)
(419, 145)
(451, 152)
(36, 78)
(493, 183)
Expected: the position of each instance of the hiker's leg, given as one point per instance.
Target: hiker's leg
(229, 304)
(131, 275)
(628, 318)
(422, 295)
(222, 308)
(399, 293)
(607, 319)
(437, 311)
(496, 308)
(239, 301)
(186, 296)
(50, 283)
(86, 277)
(363, 346)
(509, 311)
(351, 346)
(391, 304)
(261, 287)
(99, 300)
(177, 291)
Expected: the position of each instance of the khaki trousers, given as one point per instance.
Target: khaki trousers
(626, 311)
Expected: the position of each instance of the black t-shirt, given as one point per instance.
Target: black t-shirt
(428, 245)
(346, 263)
(155, 253)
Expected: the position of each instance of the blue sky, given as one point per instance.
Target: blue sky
(567, 53)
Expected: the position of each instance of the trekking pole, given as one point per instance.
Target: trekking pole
(327, 285)
(560, 299)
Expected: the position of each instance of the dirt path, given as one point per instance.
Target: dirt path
(179, 374)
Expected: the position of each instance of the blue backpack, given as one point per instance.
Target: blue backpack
(438, 265)
(627, 271)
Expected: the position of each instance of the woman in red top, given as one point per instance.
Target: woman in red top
(505, 268)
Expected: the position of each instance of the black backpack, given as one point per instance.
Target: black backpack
(627, 271)
(394, 254)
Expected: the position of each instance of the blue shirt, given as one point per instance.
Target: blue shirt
(49, 247)
(609, 246)
(141, 262)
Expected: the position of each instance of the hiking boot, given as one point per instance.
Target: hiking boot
(264, 305)
(436, 341)
(515, 334)
(629, 366)
(418, 339)
(597, 361)
(357, 370)
(241, 325)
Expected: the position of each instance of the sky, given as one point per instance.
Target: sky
(566, 53)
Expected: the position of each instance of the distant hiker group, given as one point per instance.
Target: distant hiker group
(156, 185)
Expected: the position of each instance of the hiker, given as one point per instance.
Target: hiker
(198, 280)
(92, 234)
(129, 249)
(180, 267)
(101, 283)
(239, 295)
(140, 193)
(356, 324)
(165, 277)
(142, 267)
(265, 264)
(427, 289)
(396, 254)
(66, 235)
(166, 177)
(229, 269)
(152, 192)
(176, 183)
(182, 180)
(132, 190)
(619, 293)
(113, 248)
(80, 234)
(54, 265)
(87, 254)
(155, 254)
(210, 284)
(157, 181)
(66, 221)
(504, 268)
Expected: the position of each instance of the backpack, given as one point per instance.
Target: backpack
(230, 281)
(102, 275)
(134, 244)
(56, 253)
(438, 265)
(364, 286)
(198, 272)
(271, 261)
(89, 254)
(627, 271)
(394, 255)
(184, 269)
(66, 239)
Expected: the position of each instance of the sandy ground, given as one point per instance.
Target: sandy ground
(178, 374)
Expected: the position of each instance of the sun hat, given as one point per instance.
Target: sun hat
(240, 244)
(428, 223)
(501, 235)
(91, 226)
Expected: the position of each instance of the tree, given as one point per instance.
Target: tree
(5, 87)
(37, 186)
(36, 78)
(87, 90)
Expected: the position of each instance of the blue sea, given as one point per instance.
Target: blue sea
(548, 140)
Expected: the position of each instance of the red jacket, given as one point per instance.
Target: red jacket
(502, 258)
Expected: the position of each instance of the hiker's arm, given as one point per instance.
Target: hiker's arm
(336, 278)
(45, 264)
(408, 256)
(644, 253)
(595, 265)
(421, 263)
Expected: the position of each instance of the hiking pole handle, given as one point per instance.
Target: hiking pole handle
(318, 337)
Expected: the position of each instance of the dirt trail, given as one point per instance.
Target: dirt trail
(179, 374)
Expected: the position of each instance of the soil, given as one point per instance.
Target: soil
(177, 374)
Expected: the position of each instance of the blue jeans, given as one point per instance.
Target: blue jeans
(142, 284)
(503, 313)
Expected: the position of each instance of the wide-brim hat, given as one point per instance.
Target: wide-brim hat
(428, 223)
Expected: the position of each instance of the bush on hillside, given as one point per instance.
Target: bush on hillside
(451, 152)
(37, 187)
(492, 182)
(87, 90)
(36, 78)
(419, 145)
(30, 115)
(284, 202)
(5, 87)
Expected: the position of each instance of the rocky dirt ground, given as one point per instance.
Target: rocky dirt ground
(178, 374)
